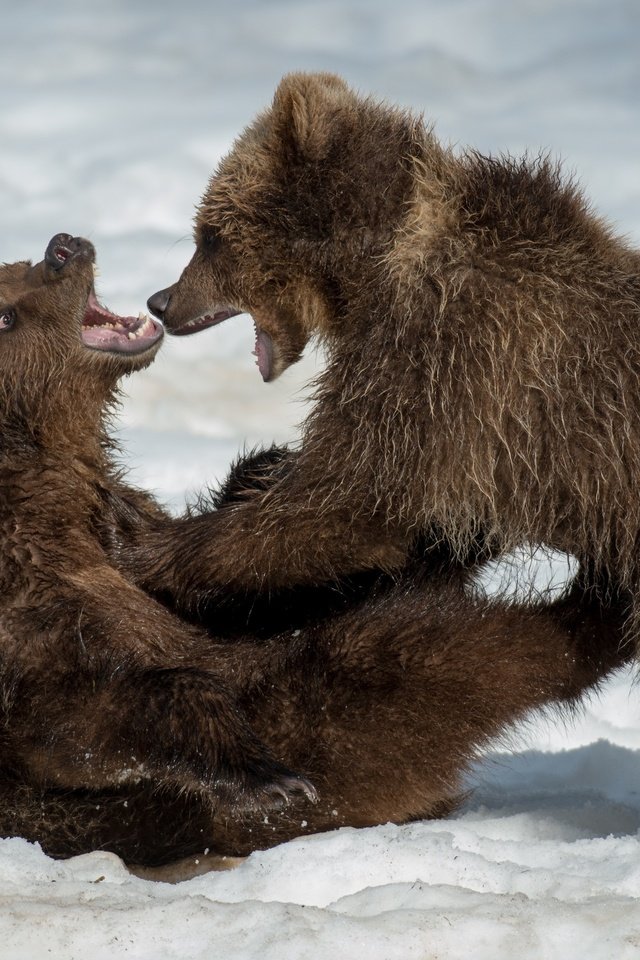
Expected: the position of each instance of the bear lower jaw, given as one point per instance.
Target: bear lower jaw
(108, 332)
(264, 354)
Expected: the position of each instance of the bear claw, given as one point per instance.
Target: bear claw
(287, 788)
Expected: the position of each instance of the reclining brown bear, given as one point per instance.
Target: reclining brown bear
(100, 683)
(125, 728)
(481, 328)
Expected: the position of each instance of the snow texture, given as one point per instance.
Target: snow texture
(112, 117)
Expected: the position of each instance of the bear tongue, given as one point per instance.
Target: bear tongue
(264, 353)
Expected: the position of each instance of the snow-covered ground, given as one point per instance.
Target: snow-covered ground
(111, 118)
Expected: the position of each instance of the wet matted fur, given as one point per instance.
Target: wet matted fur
(128, 729)
(481, 327)
(100, 685)
(384, 706)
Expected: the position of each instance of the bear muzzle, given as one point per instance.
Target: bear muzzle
(63, 248)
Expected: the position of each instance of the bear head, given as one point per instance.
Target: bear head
(59, 347)
(296, 218)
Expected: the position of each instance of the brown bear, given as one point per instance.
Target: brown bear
(384, 706)
(99, 683)
(127, 729)
(483, 360)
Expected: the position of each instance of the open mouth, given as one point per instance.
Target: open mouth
(263, 350)
(103, 330)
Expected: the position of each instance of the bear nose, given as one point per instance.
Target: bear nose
(158, 302)
(63, 247)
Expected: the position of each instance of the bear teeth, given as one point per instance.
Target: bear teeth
(142, 330)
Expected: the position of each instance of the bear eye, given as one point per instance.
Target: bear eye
(7, 319)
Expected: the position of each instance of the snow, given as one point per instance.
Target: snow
(112, 117)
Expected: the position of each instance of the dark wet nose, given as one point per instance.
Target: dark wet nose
(63, 247)
(158, 302)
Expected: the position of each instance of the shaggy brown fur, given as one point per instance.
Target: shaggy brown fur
(99, 684)
(481, 326)
(384, 706)
(124, 728)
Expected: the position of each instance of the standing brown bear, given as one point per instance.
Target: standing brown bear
(482, 330)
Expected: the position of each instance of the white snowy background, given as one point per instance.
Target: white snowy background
(112, 116)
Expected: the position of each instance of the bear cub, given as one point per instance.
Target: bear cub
(99, 684)
(483, 359)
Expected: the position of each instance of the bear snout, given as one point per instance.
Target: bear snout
(158, 302)
(63, 247)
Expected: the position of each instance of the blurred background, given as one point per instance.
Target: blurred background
(113, 116)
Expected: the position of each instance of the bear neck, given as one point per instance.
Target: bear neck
(67, 421)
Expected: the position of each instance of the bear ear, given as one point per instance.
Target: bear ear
(304, 109)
